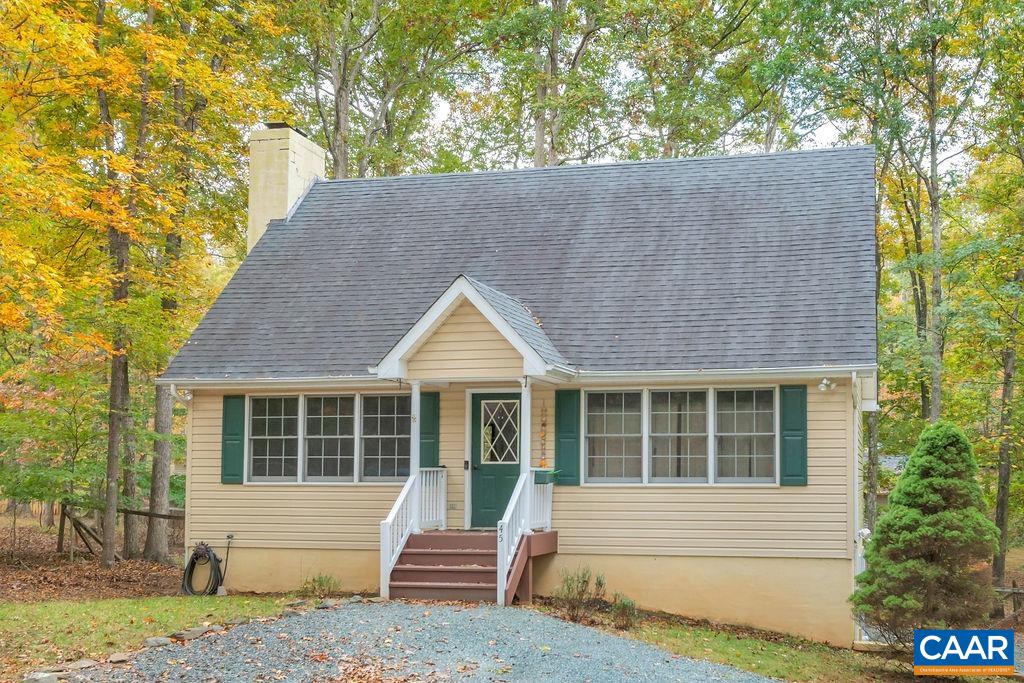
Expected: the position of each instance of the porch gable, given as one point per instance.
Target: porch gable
(473, 331)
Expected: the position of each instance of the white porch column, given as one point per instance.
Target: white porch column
(414, 457)
(525, 441)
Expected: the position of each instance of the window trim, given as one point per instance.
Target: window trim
(712, 481)
(300, 478)
(774, 479)
(356, 403)
(359, 450)
(708, 435)
(299, 436)
(644, 436)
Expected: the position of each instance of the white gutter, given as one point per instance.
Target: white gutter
(802, 372)
(277, 382)
(554, 371)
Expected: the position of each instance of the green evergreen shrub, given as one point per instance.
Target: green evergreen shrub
(924, 557)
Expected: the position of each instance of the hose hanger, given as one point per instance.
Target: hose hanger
(203, 555)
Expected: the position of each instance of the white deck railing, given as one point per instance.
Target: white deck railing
(540, 501)
(429, 487)
(433, 497)
(529, 508)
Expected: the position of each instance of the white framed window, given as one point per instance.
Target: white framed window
(386, 430)
(679, 436)
(330, 438)
(273, 438)
(614, 436)
(745, 435)
(324, 438)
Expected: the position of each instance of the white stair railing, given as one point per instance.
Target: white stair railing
(395, 531)
(540, 501)
(513, 525)
(430, 486)
(433, 497)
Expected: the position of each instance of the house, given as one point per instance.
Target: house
(460, 385)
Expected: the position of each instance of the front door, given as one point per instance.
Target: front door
(495, 455)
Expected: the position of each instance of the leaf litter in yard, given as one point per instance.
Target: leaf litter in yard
(36, 571)
(367, 669)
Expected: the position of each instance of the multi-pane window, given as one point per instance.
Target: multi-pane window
(614, 436)
(679, 436)
(499, 432)
(273, 438)
(330, 437)
(386, 429)
(745, 435)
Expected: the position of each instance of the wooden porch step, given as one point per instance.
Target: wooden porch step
(435, 590)
(453, 540)
(440, 574)
(448, 557)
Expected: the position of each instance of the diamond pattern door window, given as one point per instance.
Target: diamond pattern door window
(499, 433)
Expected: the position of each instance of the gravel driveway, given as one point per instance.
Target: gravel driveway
(442, 642)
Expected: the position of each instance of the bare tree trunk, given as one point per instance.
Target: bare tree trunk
(118, 246)
(132, 527)
(14, 531)
(935, 220)
(554, 113)
(871, 473)
(132, 523)
(342, 100)
(871, 468)
(159, 492)
(1005, 446)
(47, 519)
(540, 102)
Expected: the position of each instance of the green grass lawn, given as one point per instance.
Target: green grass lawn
(48, 632)
(775, 655)
(791, 659)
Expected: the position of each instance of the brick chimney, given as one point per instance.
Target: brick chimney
(283, 163)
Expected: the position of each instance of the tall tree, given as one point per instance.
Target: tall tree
(936, 52)
(119, 242)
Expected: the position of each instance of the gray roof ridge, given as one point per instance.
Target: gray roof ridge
(599, 166)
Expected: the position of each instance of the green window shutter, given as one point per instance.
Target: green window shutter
(567, 437)
(430, 429)
(793, 405)
(232, 440)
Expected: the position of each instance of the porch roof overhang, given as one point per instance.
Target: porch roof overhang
(508, 315)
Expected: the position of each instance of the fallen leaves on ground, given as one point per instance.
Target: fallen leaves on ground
(367, 669)
(34, 571)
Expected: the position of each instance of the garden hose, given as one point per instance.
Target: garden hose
(203, 554)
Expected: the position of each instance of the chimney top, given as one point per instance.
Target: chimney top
(284, 124)
(283, 162)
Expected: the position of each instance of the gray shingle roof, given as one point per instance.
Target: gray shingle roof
(760, 261)
(520, 318)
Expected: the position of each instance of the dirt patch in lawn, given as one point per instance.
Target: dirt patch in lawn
(32, 570)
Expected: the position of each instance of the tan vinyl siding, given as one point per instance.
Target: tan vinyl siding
(465, 346)
(654, 520)
(452, 451)
(724, 520)
(337, 516)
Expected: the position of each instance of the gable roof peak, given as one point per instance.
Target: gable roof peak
(509, 316)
